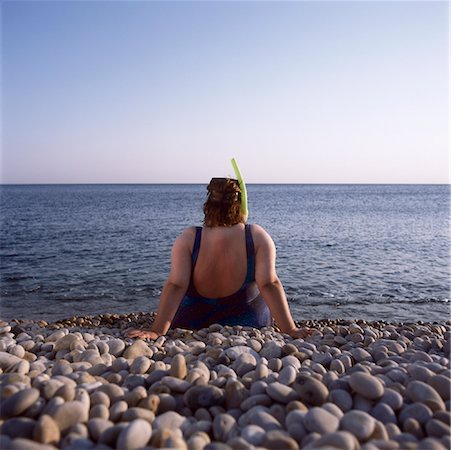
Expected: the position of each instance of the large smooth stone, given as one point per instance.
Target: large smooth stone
(319, 420)
(437, 428)
(278, 439)
(224, 427)
(116, 346)
(358, 423)
(97, 426)
(384, 413)
(67, 341)
(46, 431)
(203, 396)
(417, 411)
(7, 360)
(18, 427)
(265, 420)
(392, 398)
(70, 414)
(418, 391)
(176, 384)
(114, 392)
(368, 386)
(235, 394)
(442, 385)
(18, 402)
(171, 420)
(287, 375)
(178, 367)
(135, 435)
(253, 434)
(234, 352)
(138, 348)
(138, 413)
(271, 349)
(140, 365)
(341, 398)
(342, 440)
(27, 444)
(281, 393)
(311, 390)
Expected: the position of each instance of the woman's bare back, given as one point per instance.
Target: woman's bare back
(221, 265)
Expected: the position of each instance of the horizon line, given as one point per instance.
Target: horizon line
(205, 183)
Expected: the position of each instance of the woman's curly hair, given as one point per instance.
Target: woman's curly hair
(223, 205)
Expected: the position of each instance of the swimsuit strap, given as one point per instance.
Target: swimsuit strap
(250, 252)
(196, 246)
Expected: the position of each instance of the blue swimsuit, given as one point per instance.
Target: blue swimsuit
(245, 307)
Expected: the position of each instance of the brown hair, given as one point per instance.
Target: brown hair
(223, 205)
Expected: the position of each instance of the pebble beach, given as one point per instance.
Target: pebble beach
(80, 384)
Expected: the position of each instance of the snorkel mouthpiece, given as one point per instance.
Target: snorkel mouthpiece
(242, 187)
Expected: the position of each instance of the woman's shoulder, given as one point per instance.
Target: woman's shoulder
(185, 238)
(259, 234)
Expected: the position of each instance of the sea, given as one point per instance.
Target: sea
(372, 252)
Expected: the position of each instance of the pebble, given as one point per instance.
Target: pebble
(135, 435)
(224, 427)
(138, 348)
(341, 398)
(311, 390)
(7, 360)
(342, 440)
(18, 402)
(418, 391)
(253, 434)
(178, 367)
(441, 384)
(359, 423)
(349, 385)
(169, 419)
(319, 420)
(140, 365)
(287, 375)
(278, 440)
(97, 426)
(366, 385)
(69, 414)
(46, 431)
(281, 393)
(203, 396)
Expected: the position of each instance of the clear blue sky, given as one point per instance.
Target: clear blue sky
(298, 92)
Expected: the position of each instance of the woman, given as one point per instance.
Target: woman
(208, 266)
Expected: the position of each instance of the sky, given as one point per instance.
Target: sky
(169, 92)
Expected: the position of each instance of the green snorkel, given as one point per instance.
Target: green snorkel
(242, 187)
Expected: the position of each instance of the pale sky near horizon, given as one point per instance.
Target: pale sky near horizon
(168, 92)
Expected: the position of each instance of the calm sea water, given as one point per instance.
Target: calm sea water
(352, 251)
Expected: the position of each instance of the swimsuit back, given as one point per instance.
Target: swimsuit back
(245, 307)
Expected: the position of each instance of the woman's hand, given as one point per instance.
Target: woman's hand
(143, 334)
(300, 333)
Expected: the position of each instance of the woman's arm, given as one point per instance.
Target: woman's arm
(174, 289)
(269, 284)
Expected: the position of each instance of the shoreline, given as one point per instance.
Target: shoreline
(78, 383)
